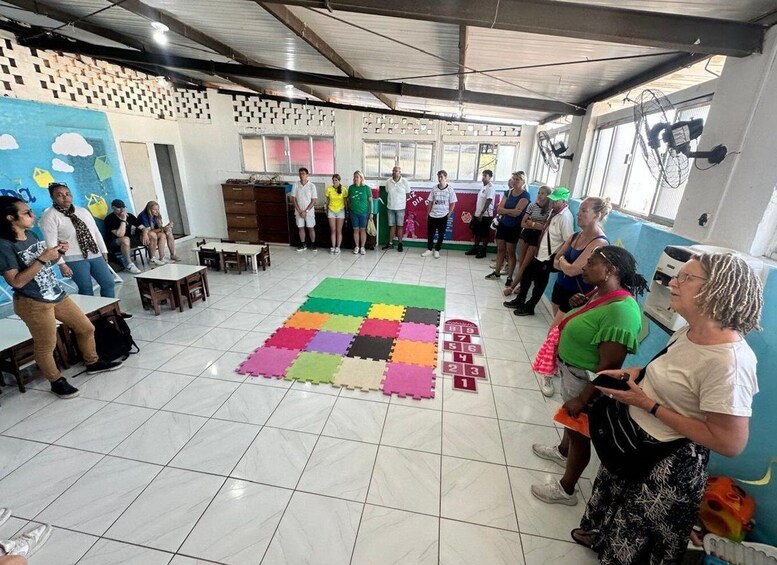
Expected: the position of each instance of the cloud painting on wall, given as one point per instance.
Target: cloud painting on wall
(72, 144)
(7, 142)
(61, 166)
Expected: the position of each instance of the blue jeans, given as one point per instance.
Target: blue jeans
(359, 221)
(83, 271)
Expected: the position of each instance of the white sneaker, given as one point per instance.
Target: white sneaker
(355, 250)
(362, 251)
(547, 387)
(426, 253)
(436, 254)
(5, 513)
(549, 452)
(158, 262)
(553, 493)
(337, 250)
(174, 259)
(332, 250)
(132, 268)
(29, 542)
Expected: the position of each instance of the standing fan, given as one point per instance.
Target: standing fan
(666, 146)
(551, 152)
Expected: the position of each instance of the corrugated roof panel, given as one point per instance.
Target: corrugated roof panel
(126, 22)
(382, 58)
(474, 111)
(490, 49)
(249, 29)
(740, 10)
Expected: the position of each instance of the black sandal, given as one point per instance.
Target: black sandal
(579, 541)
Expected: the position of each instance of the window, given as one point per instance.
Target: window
(415, 159)
(467, 161)
(285, 154)
(618, 170)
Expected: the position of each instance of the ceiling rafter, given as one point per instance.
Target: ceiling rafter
(674, 32)
(301, 29)
(315, 79)
(180, 28)
(463, 45)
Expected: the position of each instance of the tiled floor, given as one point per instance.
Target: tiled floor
(175, 459)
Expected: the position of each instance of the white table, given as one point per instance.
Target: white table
(91, 305)
(16, 347)
(175, 275)
(251, 251)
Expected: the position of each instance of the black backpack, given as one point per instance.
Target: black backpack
(113, 338)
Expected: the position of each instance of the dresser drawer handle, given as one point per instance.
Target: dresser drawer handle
(238, 203)
(242, 231)
(240, 217)
(235, 189)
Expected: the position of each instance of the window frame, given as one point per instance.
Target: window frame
(287, 153)
(480, 144)
(632, 155)
(397, 156)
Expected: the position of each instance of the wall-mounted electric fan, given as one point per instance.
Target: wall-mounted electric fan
(551, 152)
(667, 147)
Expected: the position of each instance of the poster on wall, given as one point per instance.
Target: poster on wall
(457, 230)
(44, 143)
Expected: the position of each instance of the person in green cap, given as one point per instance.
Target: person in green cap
(558, 229)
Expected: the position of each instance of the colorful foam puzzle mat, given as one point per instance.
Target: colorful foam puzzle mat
(360, 335)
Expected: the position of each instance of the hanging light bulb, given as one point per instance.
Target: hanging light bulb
(160, 32)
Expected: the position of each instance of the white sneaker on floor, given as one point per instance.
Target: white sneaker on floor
(132, 268)
(362, 251)
(549, 452)
(355, 250)
(337, 250)
(5, 513)
(553, 493)
(436, 254)
(332, 250)
(547, 387)
(426, 253)
(29, 542)
(174, 259)
(158, 262)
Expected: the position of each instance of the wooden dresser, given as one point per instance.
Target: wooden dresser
(256, 212)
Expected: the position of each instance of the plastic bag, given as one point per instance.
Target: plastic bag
(371, 228)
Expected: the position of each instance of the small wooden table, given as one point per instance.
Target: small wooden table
(96, 306)
(251, 251)
(175, 276)
(16, 348)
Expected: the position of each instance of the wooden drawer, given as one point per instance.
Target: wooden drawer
(271, 209)
(270, 194)
(244, 207)
(240, 221)
(273, 222)
(275, 235)
(244, 234)
(238, 192)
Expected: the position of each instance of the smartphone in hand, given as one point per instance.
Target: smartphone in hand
(616, 382)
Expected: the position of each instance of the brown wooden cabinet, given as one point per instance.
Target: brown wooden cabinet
(256, 212)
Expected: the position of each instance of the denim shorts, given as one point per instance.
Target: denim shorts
(396, 218)
(359, 221)
(339, 215)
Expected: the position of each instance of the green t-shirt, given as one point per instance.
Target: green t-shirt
(359, 199)
(619, 321)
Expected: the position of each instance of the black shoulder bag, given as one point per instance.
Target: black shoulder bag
(623, 447)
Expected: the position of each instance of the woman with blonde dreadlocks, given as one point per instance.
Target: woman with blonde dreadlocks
(694, 397)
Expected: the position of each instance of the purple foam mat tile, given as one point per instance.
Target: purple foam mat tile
(412, 331)
(271, 362)
(330, 342)
(408, 380)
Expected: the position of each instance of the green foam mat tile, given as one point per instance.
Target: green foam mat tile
(343, 324)
(382, 292)
(321, 305)
(314, 367)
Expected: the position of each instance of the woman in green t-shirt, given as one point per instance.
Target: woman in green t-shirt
(360, 206)
(597, 339)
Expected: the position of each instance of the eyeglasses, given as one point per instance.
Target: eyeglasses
(683, 278)
(29, 213)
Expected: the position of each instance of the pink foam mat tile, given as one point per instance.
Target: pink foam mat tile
(418, 332)
(408, 380)
(270, 362)
(379, 328)
(290, 338)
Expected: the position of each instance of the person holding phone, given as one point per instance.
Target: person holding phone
(27, 264)
(696, 397)
(595, 337)
(158, 232)
(86, 255)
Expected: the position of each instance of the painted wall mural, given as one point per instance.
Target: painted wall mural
(44, 143)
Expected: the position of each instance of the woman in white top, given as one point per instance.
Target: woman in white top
(87, 255)
(698, 392)
(441, 202)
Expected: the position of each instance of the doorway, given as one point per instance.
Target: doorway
(139, 174)
(171, 187)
